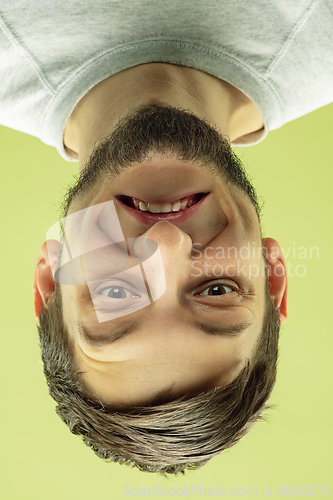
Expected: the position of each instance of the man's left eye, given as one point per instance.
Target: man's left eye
(117, 292)
(216, 290)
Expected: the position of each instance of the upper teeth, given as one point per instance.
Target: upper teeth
(156, 208)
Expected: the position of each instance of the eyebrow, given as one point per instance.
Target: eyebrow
(96, 340)
(229, 331)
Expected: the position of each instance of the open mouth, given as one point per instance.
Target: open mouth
(170, 207)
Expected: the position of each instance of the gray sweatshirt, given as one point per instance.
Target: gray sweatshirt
(52, 52)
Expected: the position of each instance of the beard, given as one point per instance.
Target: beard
(161, 129)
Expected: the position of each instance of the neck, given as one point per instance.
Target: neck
(210, 98)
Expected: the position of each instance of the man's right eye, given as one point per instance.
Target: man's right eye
(117, 292)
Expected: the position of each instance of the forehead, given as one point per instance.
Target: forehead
(186, 363)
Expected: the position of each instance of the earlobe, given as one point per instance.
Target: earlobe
(43, 278)
(277, 276)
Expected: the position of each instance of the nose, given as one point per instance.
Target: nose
(175, 247)
(170, 238)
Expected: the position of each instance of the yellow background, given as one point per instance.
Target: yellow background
(40, 459)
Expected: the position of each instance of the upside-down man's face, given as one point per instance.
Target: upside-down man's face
(130, 348)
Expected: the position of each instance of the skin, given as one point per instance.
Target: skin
(167, 354)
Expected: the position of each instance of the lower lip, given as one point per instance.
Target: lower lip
(150, 219)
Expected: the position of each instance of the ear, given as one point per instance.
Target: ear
(43, 278)
(277, 276)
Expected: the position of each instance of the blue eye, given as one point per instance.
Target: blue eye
(117, 292)
(218, 289)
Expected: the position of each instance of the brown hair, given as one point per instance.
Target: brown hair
(170, 437)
